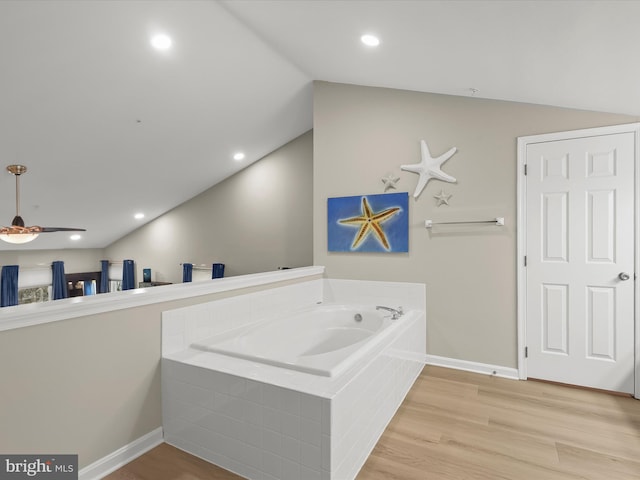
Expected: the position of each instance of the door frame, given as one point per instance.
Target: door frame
(521, 248)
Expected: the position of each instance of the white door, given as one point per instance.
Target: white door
(580, 261)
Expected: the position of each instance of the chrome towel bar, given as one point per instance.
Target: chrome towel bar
(498, 221)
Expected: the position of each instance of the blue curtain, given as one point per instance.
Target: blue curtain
(104, 277)
(187, 272)
(9, 286)
(217, 270)
(128, 280)
(59, 280)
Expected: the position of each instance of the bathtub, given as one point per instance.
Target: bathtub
(322, 340)
(298, 382)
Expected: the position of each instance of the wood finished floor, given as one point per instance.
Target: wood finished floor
(457, 425)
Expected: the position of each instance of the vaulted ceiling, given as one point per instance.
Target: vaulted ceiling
(108, 126)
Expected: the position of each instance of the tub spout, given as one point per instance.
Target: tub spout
(396, 313)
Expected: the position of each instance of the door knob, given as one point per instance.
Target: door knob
(624, 276)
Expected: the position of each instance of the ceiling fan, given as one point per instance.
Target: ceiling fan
(17, 232)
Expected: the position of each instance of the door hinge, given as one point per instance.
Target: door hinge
(526, 352)
(525, 260)
(525, 168)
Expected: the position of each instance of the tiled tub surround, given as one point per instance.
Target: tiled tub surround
(266, 422)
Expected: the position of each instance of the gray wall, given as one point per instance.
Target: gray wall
(87, 385)
(255, 221)
(363, 133)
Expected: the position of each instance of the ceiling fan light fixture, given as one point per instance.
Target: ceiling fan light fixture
(18, 238)
(18, 232)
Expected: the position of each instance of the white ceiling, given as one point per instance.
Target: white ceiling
(108, 126)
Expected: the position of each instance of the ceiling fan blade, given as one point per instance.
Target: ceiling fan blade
(60, 229)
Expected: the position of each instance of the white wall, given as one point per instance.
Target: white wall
(255, 221)
(363, 133)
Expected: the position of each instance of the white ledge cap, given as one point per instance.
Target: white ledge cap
(37, 313)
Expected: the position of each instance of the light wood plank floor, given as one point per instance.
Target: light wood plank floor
(457, 425)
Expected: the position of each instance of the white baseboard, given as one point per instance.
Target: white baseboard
(495, 370)
(103, 467)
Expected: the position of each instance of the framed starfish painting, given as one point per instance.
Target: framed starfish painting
(369, 223)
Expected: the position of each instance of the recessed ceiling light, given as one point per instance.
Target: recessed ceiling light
(138, 216)
(370, 40)
(161, 41)
(75, 236)
(238, 156)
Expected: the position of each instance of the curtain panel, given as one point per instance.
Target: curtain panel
(104, 277)
(59, 280)
(9, 285)
(187, 272)
(217, 270)
(128, 275)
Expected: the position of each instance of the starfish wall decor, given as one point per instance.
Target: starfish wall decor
(370, 222)
(429, 167)
(389, 181)
(443, 198)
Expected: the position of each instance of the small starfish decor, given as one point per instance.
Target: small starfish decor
(443, 198)
(389, 181)
(369, 222)
(429, 167)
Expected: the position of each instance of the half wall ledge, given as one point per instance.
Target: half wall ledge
(31, 314)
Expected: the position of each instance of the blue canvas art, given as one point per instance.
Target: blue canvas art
(369, 223)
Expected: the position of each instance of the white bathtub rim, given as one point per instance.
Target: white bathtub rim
(358, 350)
(342, 358)
(325, 387)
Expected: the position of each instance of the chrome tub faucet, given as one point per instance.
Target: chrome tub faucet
(396, 313)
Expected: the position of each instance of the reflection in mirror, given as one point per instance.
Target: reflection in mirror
(81, 288)
(82, 284)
